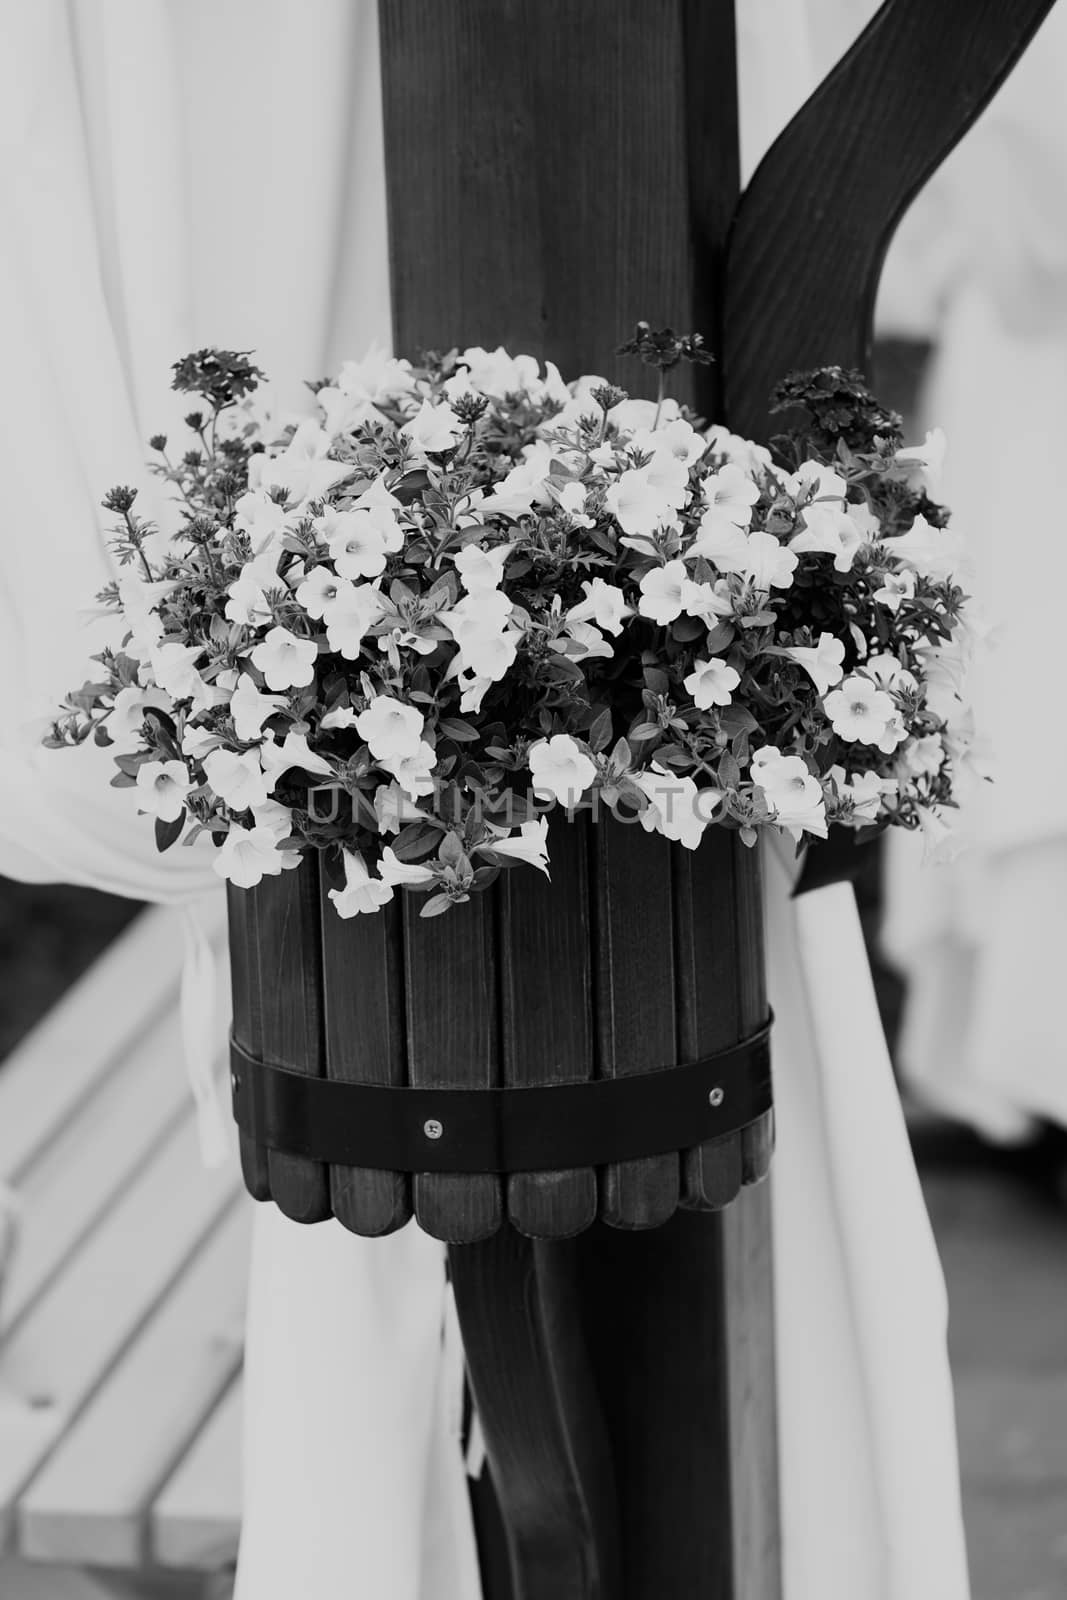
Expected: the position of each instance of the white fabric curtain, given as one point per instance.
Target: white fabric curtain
(180, 172)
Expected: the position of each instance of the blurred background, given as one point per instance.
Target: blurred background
(967, 957)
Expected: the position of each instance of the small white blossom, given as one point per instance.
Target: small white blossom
(361, 894)
(663, 594)
(434, 429)
(753, 458)
(859, 711)
(712, 683)
(393, 809)
(933, 553)
(823, 662)
(339, 717)
(286, 661)
(865, 790)
(896, 588)
(604, 604)
(161, 789)
(293, 751)
(721, 542)
(248, 855)
(412, 770)
(923, 757)
(391, 728)
(678, 809)
(174, 670)
(638, 504)
(831, 531)
(318, 591)
(360, 541)
(352, 613)
(480, 569)
(127, 713)
(395, 872)
(794, 795)
(769, 564)
(813, 476)
(561, 768)
(250, 708)
(302, 468)
(238, 780)
(729, 495)
(530, 845)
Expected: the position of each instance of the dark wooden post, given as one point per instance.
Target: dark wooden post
(558, 169)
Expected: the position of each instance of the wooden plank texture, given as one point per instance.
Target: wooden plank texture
(634, 979)
(819, 197)
(91, 1502)
(290, 1009)
(452, 1034)
(196, 1520)
(243, 906)
(546, 1016)
(362, 968)
(59, 1353)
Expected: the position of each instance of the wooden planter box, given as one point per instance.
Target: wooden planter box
(637, 956)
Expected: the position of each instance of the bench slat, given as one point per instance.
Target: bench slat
(101, 1146)
(59, 1353)
(82, 1038)
(196, 1520)
(91, 1502)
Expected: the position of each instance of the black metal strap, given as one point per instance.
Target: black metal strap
(543, 1128)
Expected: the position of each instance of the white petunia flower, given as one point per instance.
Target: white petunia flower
(823, 662)
(480, 569)
(571, 498)
(293, 751)
(560, 768)
(139, 601)
(361, 540)
(286, 661)
(751, 457)
(413, 770)
(678, 439)
(828, 530)
(663, 594)
(393, 809)
(678, 809)
(712, 683)
(889, 672)
(637, 503)
(865, 790)
(391, 728)
(793, 794)
(302, 468)
(590, 641)
(721, 542)
(379, 377)
(339, 717)
(933, 553)
(273, 818)
(495, 373)
(248, 855)
(524, 486)
(708, 601)
(395, 872)
(604, 604)
(729, 494)
(263, 519)
(769, 564)
(238, 780)
(361, 894)
(161, 789)
(434, 429)
(250, 708)
(350, 616)
(859, 711)
(318, 590)
(923, 757)
(246, 600)
(127, 713)
(529, 845)
(896, 588)
(814, 475)
(174, 670)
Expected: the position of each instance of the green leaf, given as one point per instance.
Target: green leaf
(600, 732)
(435, 905)
(729, 773)
(456, 728)
(168, 833)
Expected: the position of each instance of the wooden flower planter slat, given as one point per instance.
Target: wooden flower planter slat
(546, 1015)
(362, 969)
(291, 1003)
(450, 969)
(247, 1019)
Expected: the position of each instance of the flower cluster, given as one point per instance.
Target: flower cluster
(397, 630)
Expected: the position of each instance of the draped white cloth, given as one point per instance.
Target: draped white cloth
(982, 269)
(177, 172)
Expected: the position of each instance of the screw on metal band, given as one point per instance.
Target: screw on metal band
(432, 1128)
(716, 1097)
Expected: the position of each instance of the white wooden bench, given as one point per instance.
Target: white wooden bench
(121, 1309)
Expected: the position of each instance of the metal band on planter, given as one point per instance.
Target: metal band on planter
(503, 1130)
